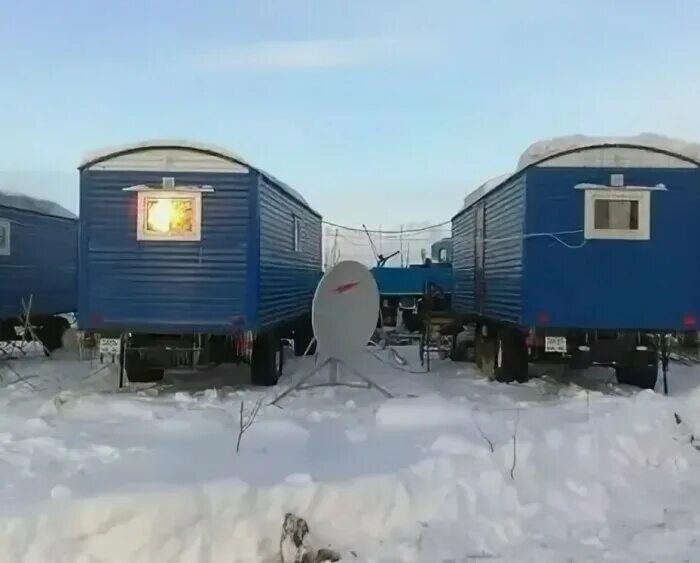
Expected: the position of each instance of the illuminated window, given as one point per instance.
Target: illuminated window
(4, 238)
(297, 234)
(169, 216)
(618, 214)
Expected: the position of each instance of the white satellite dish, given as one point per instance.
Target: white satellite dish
(344, 316)
(345, 311)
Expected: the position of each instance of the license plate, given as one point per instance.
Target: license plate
(110, 346)
(556, 344)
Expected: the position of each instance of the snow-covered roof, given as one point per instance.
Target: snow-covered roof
(483, 189)
(96, 156)
(17, 200)
(551, 147)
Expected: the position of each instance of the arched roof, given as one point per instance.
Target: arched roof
(541, 152)
(547, 149)
(96, 157)
(35, 205)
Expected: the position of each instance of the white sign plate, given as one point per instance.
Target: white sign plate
(110, 346)
(556, 344)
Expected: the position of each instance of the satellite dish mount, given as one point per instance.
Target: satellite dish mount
(344, 317)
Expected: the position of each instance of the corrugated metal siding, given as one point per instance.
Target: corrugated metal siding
(463, 262)
(163, 286)
(612, 284)
(288, 279)
(503, 251)
(42, 262)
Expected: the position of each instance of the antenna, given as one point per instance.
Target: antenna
(371, 243)
(379, 257)
(344, 317)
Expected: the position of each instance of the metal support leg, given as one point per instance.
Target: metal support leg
(334, 366)
(122, 360)
(300, 384)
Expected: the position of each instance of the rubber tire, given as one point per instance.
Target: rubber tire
(139, 371)
(52, 331)
(412, 322)
(514, 361)
(644, 377)
(303, 334)
(263, 364)
(458, 352)
(478, 348)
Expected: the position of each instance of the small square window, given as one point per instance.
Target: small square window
(297, 234)
(4, 237)
(169, 216)
(617, 214)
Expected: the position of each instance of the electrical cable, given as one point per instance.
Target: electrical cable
(393, 232)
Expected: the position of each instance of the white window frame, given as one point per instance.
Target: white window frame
(643, 197)
(296, 226)
(143, 235)
(6, 248)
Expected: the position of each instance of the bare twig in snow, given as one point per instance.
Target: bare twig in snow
(19, 378)
(515, 444)
(588, 405)
(483, 435)
(247, 422)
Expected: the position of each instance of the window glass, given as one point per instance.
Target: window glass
(169, 216)
(621, 214)
(617, 214)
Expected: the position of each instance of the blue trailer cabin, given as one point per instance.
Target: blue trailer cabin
(187, 246)
(441, 251)
(38, 266)
(402, 288)
(587, 253)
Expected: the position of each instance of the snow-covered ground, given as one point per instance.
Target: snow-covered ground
(454, 468)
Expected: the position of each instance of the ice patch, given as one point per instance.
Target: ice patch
(298, 479)
(276, 430)
(60, 492)
(355, 436)
(423, 412)
(452, 444)
(315, 416)
(554, 439)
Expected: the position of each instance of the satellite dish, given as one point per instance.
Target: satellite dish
(345, 311)
(344, 316)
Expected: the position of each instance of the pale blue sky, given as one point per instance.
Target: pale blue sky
(377, 110)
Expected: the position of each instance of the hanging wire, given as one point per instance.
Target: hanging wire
(383, 232)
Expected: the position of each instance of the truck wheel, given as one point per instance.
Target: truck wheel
(266, 360)
(139, 370)
(51, 332)
(458, 353)
(511, 363)
(412, 322)
(303, 334)
(642, 377)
